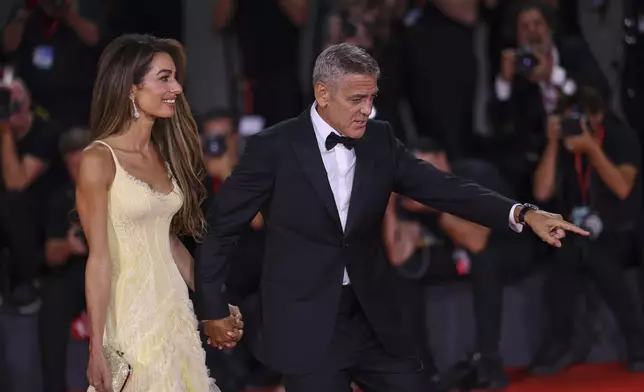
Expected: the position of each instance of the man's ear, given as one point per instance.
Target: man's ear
(322, 94)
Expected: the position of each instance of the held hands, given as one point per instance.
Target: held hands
(226, 332)
(551, 228)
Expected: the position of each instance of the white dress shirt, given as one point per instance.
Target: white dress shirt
(340, 163)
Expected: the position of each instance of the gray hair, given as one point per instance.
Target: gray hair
(339, 60)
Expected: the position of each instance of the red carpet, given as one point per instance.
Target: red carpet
(581, 378)
(586, 378)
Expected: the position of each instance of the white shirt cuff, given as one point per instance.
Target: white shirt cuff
(503, 89)
(558, 76)
(517, 227)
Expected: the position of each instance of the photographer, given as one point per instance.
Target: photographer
(63, 286)
(452, 247)
(52, 43)
(590, 171)
(533, 77)
(28, 162)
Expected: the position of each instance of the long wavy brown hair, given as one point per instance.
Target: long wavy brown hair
(123, 64)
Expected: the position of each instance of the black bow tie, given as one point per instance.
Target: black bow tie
(334, 139)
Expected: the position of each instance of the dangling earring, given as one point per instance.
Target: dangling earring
(136, 110)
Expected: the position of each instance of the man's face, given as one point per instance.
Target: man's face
(533, 31)
(346, 106)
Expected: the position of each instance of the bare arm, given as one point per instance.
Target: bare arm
(13, 31)
(469, 235)
(96, 174)
(86, 29)
(184, 261)
(18, 173)
(543, 184)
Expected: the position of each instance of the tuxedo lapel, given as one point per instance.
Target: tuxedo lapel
(361, 181)
(308, 152)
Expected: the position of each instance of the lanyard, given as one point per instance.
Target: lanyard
(583, 178)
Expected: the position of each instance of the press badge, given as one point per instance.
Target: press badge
(579, 214)
(43, 57)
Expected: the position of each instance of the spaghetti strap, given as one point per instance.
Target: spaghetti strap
(114, 158)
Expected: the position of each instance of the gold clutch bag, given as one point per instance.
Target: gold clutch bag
(119, 369)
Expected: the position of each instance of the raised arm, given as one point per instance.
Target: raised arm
(445, 192)
(95, 176)
(233, 208)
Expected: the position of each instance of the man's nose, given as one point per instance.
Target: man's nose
(366, 108)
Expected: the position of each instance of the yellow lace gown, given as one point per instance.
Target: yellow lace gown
(150, 316)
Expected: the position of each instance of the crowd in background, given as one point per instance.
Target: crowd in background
(513, 94)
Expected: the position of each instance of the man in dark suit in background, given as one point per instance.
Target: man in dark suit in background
(322, 181)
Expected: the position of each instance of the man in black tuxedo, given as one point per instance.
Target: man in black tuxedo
(322, 182)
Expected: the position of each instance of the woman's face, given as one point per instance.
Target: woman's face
(156, 95)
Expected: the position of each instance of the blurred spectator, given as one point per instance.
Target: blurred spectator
(590, 170)
(375, 25)
(441, 72)
(485, 257)
(52, 43)
(63, 286)
(268, 32)
(29, 162)
(533, 77)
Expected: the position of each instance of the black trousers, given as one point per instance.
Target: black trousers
(63, 299)
(356, 355)
(602, 259)
(490, 270)
(21, 234)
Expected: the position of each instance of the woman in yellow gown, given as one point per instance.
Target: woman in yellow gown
(139, 187)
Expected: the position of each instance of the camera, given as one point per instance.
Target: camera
(214, 145)
(8, 106)
(570, 124)
(525, 61)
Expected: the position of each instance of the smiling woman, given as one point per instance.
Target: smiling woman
(139, 186)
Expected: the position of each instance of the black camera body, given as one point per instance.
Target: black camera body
(525, 61)
(214, 146)
(570, 124)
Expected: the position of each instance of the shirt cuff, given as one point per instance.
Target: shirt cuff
(517, 227)
(503, 89)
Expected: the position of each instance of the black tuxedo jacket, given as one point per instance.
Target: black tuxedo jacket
(282, 174)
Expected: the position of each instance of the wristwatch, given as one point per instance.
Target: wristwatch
(526, 207)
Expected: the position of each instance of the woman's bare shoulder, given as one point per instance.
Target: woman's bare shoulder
(97, 166)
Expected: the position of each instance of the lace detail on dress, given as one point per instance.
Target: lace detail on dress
(150, 315)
